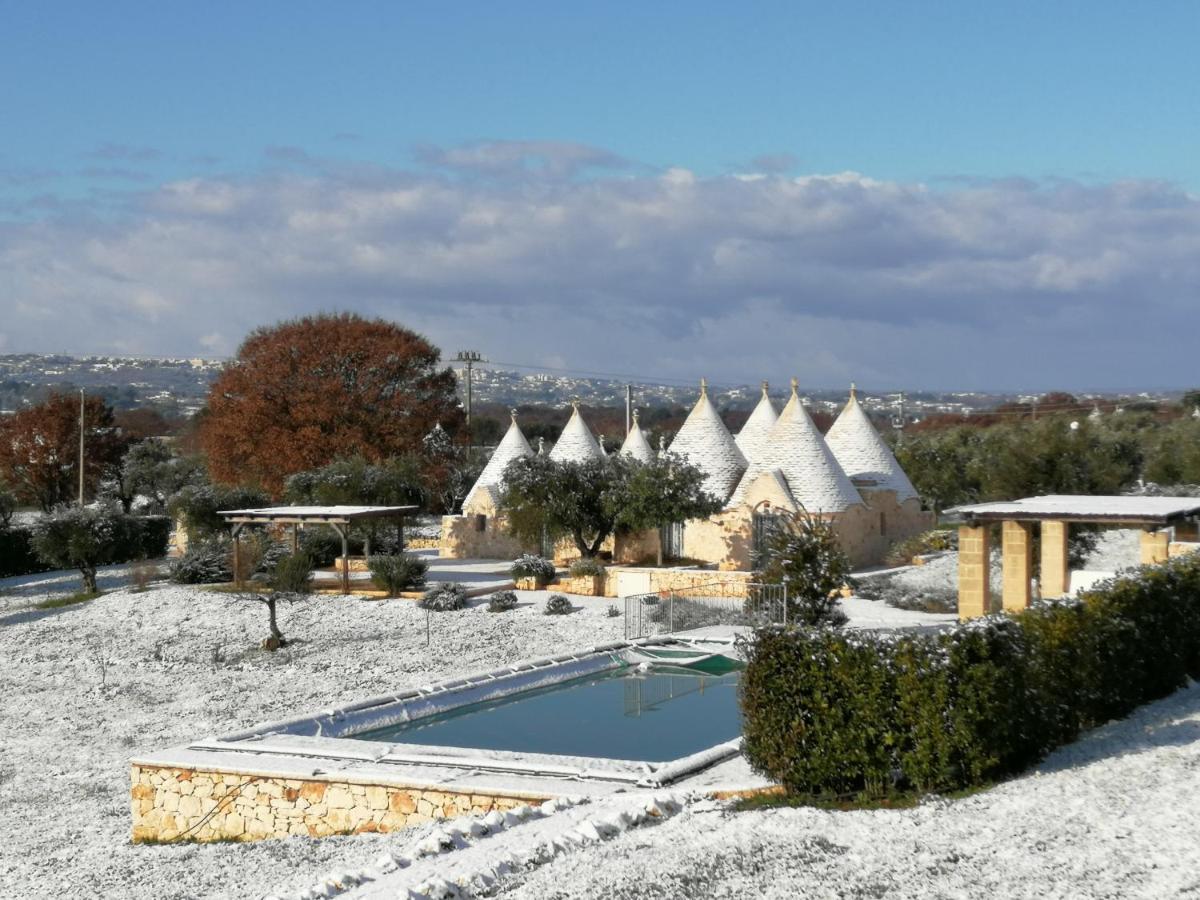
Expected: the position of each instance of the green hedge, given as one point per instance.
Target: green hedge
(16, 552)
(837, 713)
(139, 537)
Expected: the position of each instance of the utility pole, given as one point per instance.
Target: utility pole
(469, 357)
(898, 420)
(628, 408)
(81, 424)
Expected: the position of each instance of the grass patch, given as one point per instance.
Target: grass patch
(906, 800)
(69, 600)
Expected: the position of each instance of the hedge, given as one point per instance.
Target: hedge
(140, 537)
(834, 713)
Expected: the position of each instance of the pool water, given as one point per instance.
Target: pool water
(624, 714)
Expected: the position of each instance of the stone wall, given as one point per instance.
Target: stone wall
(479, 537)
(171, 804)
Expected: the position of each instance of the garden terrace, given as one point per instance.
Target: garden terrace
(339, 518)
(1169, 527)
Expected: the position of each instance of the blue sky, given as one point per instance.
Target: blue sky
(115, 111)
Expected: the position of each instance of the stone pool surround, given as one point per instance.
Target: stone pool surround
(172, 804)
(262, 783)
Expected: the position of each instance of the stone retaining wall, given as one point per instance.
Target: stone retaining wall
(172, 804)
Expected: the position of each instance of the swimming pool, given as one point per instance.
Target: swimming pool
(626, 713)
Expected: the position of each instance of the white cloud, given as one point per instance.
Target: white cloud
(830, 277)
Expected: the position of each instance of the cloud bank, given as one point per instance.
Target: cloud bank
(537, 251)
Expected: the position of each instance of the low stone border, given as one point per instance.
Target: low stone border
(171, 804)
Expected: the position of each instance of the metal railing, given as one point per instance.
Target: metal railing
(672, 612)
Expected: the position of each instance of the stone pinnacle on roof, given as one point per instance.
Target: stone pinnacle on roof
(636, 446)
(863, 455)
(576, 443)
(706, 443)
(753, 436)
(796, 449)
(512, 446)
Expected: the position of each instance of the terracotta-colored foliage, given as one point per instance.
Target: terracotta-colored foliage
(308, 391)
(39, 449)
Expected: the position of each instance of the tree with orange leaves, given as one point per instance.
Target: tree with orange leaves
(39, 449)
(309, 391)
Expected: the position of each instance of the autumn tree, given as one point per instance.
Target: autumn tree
(39, 449)
(309, 391)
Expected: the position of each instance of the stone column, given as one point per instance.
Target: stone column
(1018, 565)
(974, 596)
(1055, 572)
(1154, 547)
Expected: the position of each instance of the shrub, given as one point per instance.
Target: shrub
(902, 552)
(292, 573)
(558, 605)
(831, 713)
(586, 567)
(398, 573)
(531, 566)
(204, 562)
(805, 554)
(81, 539)
(612, 612)
(8, 506)
(444, 597)
(502, 601)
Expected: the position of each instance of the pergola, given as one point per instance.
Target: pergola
(1158, 517)
(339, 518)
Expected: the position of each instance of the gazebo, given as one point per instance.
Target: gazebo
(339, 518)
(1169, 526)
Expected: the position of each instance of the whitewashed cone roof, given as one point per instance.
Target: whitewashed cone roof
(576, 443)
(753, 436)
(706, 443)
(636, 445)
(863, 455)
(512, 446)
(795, 447)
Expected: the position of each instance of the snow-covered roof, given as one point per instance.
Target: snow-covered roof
(576, 443)
(1084, 508)
(706, 443)
(636, 445)
(753, 436)
(288, 514)
(796, 448)
(512, 446)
(863, 455)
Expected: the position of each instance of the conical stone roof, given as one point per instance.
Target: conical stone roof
(795, 447)
(576, 443)
(753, 436)
(706, 443)
(636, 445)
(863, 455)
(512, 446)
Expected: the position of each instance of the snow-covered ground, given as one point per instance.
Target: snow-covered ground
(85, 687)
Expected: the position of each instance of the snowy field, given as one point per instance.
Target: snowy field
(85, 687)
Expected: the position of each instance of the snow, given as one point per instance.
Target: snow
(1105, 817)
(87, 687)
(1093, 508)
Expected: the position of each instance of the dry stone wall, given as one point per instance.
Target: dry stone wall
(170, 804)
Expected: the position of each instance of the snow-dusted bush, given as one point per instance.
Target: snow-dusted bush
(204, 562)
(833, 713)
(586, 567)
(444, 597)
(17, 556)
(502, 601)
(292, 573)
(804, 553)
(532, 566)
(612, 612)
(902, 552)
(558, 605)
(401, 572)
